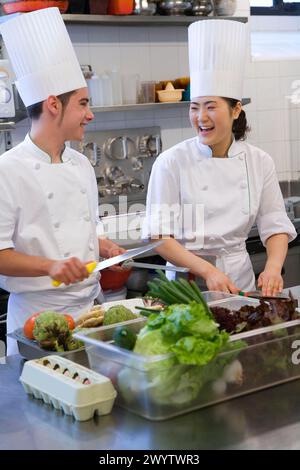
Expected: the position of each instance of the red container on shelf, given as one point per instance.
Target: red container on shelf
(15, 6)
(120, 7)
(98, 7)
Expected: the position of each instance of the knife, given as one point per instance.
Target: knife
(94, 266)
(134, 264)
(257, 294)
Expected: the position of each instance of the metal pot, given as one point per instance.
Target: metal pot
(201, 7)
(225, 7)
(174, 7)
(144, 7)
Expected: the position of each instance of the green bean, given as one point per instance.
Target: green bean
(186, 288)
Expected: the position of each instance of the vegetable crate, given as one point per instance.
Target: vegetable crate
(157, 387)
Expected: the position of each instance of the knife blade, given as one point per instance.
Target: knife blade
(129, 254)
(257, 294)
(126, 256)
(134, 264)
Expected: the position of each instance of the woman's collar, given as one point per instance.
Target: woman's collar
(234, 150)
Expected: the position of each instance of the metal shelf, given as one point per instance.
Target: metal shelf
(140, 20)
(147, 106)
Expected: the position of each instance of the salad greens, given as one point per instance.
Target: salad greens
(194, 340)
(188, 331)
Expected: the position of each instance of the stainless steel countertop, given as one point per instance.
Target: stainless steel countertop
(268, 419)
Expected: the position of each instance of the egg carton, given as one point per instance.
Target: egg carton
(69, 387)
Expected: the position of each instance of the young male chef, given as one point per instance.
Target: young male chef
(49, 197)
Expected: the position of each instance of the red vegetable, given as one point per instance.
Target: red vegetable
(70, 321)
(29, 324)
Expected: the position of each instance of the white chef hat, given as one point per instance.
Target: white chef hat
(217, 56)
(42, 55)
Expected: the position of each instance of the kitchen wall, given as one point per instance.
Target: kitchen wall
(157, 53)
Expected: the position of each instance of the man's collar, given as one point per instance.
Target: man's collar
(41, 154)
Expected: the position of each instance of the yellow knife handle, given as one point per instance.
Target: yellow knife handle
(90, 268)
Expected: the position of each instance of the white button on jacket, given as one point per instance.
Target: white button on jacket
(242, 189)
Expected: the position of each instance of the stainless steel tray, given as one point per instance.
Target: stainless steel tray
(29, 349)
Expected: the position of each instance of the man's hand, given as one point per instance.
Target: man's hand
(68, 271)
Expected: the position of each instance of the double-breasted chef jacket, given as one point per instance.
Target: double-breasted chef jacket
(48, 210)
(235, 193)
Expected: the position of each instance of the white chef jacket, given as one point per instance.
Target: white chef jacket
(233, 192)
(48, 210)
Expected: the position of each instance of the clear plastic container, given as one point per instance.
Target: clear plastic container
(157, 387)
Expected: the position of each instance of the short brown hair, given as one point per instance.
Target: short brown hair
(35, 110)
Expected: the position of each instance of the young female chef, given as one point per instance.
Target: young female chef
(49, 197)
(229, 184)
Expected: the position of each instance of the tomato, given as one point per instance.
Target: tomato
(29, 326)
(70, 321)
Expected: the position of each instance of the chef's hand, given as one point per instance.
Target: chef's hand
(270, 282)
(108, 249)
(68, 271)
(217, 280)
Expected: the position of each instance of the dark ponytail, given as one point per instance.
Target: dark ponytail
(240, 126)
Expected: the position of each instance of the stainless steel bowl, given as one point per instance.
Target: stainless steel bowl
(201, 7)
(174, 7)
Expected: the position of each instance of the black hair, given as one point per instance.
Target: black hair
(240, 126)
(35, 110)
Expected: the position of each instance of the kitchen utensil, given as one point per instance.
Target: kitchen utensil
(144, 7)
(134, 264)
(224, 7)
(94, 266)
(257, 294)
(201, 7)
(174, 7)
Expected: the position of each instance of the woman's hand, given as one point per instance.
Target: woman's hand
(217, 280)
(270, 282)
(108, 249)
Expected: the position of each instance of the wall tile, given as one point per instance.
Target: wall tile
(106, 35)
(267, 69)
(250, 91)
(268, 93)
(183, 58)
(78, 34)
(253, 136)
(136, 59)
(280, 153)
(105, 58)
(164, 62)
(289, 68)
(295, 158)
(159, 36)
(83, 54)
(130, 36)
(270, 127)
